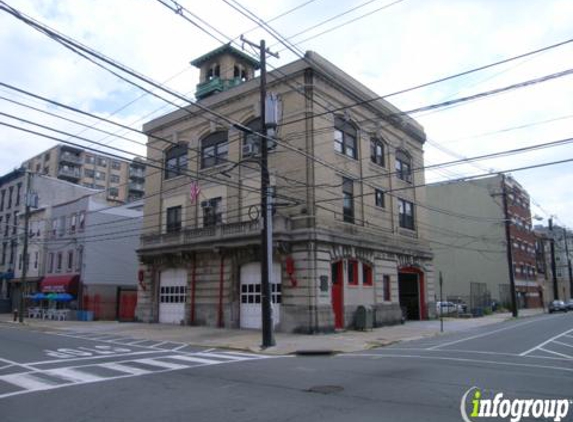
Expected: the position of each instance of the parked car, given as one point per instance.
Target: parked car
(569, 305)
(557, 306)
(445, 308)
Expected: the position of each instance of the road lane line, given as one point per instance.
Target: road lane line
(555, 353)
(22, 365)
(545, 342)
(561, 343)
(481, 335)
(466, 360)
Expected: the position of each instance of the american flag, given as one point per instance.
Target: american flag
(194, 191)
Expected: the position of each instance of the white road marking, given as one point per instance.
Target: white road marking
(482, 335)
(467, 360)
(222, 356)
(555, 353)
(162, 364)
(46, 362)
(480, 352)
(194, 359)
(125, 368)
(539, 346)
(74, 375)
(28, 381)
(248, 355)
(562, 344)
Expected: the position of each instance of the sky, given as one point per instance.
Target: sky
(387, 45)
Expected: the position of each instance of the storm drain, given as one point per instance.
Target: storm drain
(326, 389)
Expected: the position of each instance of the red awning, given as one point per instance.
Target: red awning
(60, 284)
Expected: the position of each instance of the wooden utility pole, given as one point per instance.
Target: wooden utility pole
(266, 207)
(508, 245)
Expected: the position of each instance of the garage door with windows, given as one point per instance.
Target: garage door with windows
(251, 315)
(172, 296)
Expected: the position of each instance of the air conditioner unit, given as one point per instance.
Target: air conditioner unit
(250, 149)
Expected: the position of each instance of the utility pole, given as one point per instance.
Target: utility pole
(553, 266)
(266, 207)
(28, 203)
(568, 264)
(508, 245)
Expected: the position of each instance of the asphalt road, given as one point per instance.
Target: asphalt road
(54, 377)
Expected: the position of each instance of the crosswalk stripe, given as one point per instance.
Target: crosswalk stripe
(193, 359)
(74, 375)
(125, 368)
(27, 381)
(222, 356)
(247, 355)
(161, 364)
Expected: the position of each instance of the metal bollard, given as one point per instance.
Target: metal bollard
(15, 315)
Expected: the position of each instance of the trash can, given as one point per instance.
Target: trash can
(364, 318)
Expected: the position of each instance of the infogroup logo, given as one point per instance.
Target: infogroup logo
(474, 406)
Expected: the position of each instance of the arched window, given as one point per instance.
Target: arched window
(345, 137)
(175, 161)
(214, 149)
(403, 166)
(377, 151)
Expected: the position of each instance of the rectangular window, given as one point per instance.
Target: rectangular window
(36, 255)
(70, 260)
(89, 173)
(90, 159)
(100, 175)
(173, 219)
(59, 260)
(2, 195)
(18, 193)
(7, 228)
(114, 178)
(348, 200)
(4, 247)
(102, 162)
(54, 227)
(379, 198)
(51, 261)
(352, 272)
(116, 165)
(82, 220)
(386, 287)
(73, 222)
(20, 261)
(10, 191)
(212, 212)
(345, 135)
(113, 192)
(377, 152)
(15, 223)
(12, 252)
(62, 225)
(367, 275)
(80, 258)
(406, 214)
(403, 166)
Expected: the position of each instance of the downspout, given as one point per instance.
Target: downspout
(221, 275)
(193, 288)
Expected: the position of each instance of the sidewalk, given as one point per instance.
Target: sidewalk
(250, 340)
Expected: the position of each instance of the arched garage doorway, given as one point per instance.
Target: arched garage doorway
(412, 292)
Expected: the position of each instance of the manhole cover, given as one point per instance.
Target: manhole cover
(325, 389)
